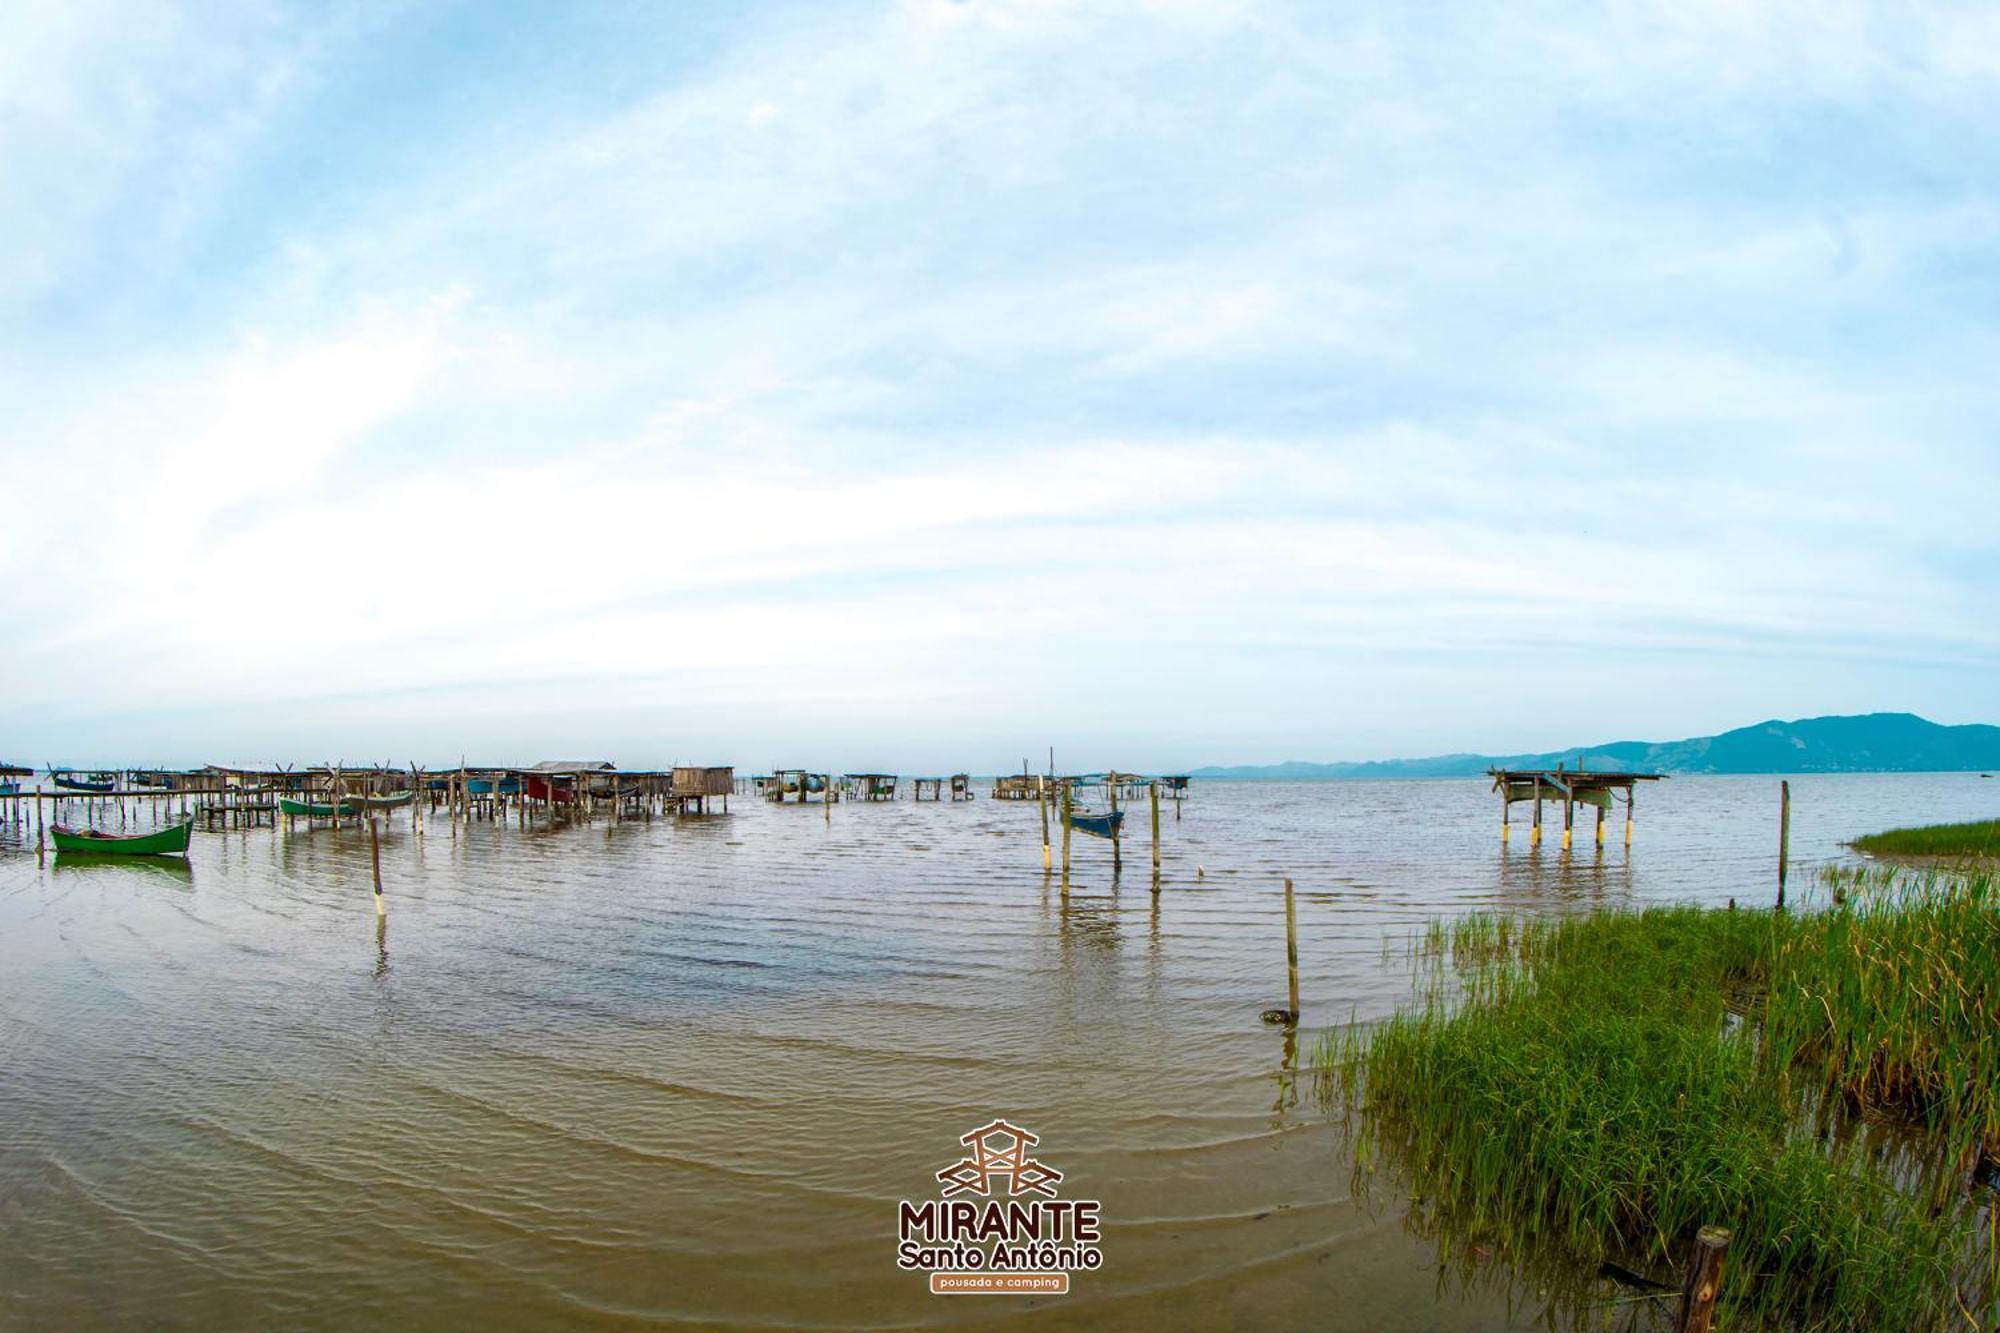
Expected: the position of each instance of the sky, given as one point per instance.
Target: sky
(920, 385)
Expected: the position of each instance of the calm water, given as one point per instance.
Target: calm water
(680, 1071)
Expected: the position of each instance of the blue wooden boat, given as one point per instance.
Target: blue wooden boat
(96, 782)
(1099, 825)
(484, 786)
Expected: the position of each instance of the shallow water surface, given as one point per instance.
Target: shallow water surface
(681, 1070)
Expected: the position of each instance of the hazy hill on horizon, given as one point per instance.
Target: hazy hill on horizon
(1861, 743)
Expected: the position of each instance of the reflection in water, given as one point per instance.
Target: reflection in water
(159, 871)
(600, 1076)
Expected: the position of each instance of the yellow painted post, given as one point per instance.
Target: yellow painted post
(1506, 810)
(1535, 838)
(1600, 828)
(1631, 801)
(1569, 818)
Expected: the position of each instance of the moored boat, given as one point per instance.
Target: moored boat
(171, 841)
(313, 809)
(1100, 825)
(95, 782)
(394, 801)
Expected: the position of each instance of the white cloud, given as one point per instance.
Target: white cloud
(975, 335)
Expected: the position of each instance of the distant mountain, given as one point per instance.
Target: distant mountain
(1869, 743)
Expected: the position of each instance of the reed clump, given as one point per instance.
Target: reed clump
(1592, 1089)
(1979, 840)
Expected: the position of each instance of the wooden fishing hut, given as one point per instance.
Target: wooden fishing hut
(961, 786)
(935, 786)
(798, 784)
(692, 787)
(1019, 786)
(1571, 786)
(872, 786)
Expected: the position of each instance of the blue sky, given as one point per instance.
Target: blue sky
(922, 384)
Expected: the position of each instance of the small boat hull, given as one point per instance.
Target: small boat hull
(1099, 826)
(394, 802)
(313, 809)
(161, 842)
(79, 784)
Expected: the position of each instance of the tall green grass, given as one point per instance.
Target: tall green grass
(1980, 840)
(1594, 1088)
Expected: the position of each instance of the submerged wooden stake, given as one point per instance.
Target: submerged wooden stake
(1704, 1281)
(1784, 835)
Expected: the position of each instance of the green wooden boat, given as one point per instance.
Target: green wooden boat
(161, 842)
(392, 802)
(313, 809)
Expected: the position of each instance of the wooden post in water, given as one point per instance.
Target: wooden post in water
(1066, 814)
(1784, 836)
(375, 854)
(1600, 826)
(1042, 805)
(1631, 800)
(1569, 816)
(1506, 809)
(1535, 838)
(1291, 952)
(1704, 1281)
(826, 797)
(1117, 851)
(1154, 791)
(40, 842)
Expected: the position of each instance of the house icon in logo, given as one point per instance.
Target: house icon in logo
(999, 1150)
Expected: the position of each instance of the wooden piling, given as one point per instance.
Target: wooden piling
(1631, 802)
(1117, 850)
(375, 855)
(1506, 806)
(1066, 822)
(1535, 838)
(1784, 836)
(1042, 806)
(1600, 826)
(1154, 791)
(1569, 817)
(1703, 1282)
(1291, 952)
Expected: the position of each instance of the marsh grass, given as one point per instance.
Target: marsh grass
(1978, 841)
(1573, 1091)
